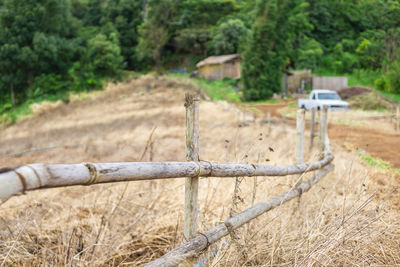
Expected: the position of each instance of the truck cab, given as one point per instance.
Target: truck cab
(320, 97)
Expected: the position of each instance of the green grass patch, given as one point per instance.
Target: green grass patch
(376, 162)
(219, 90)
(359, 77)
(222, 90)
(10, 116)
(265, 102)
(394, 97)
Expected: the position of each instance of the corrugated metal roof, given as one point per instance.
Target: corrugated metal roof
(214, 60)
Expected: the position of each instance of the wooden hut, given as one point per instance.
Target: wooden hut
(220, 67)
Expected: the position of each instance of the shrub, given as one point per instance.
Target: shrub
(47, 84)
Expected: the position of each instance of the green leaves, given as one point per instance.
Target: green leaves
(273, 34)
(35, 38)
(105, 55)
(227, 36)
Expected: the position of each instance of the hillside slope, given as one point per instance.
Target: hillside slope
(349, 218)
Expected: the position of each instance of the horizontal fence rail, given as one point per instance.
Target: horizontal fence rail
(36, 176)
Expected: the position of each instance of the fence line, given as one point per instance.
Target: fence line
(202, 241)
(36, 176)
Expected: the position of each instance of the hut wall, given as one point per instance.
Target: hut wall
(211, 72)
(331, 83)
(232, 69)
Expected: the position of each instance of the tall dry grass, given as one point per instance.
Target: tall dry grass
(350, 218)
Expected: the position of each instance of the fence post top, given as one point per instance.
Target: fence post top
(190, 98)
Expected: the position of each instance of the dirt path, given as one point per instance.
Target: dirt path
(377, 143)
(272, 109)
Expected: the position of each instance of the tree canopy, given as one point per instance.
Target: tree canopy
(55, 46)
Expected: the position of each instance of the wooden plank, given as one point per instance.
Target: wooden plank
(300, 136)
(200, 242)
(192, 154)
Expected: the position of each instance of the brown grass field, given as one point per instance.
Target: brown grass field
(350, 218)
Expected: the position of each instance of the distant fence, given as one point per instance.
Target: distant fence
(331, 83)
(37, 176)
(393, 118)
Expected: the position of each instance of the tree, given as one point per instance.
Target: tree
(105, 55)
(154, 31)
(36, 37)
(276, 26)
(226, 37)
(126, 16)
(308, 54)
(192, 40)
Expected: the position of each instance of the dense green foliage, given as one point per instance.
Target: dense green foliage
(277, 24)
(52, 47)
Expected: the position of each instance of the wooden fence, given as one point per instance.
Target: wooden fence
(36, 176)
(393, 118)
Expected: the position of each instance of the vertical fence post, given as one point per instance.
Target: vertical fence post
(192, 154)
(269, 122)
(312, 127)
(323, 126)
(284, 121)
(398, 118)
(300, 136)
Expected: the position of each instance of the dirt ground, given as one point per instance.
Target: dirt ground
(377, 138)
(349, 218)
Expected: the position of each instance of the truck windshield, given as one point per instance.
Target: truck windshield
(328, 96)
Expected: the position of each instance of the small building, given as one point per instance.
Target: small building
(294, 82)
(220, 67)
(330, 83)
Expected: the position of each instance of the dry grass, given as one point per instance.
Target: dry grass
(350, 218)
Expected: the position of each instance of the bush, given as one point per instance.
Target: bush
(47, 84)
(394, 78)
(381, 83)
(83, 78)
(390, 82)
(105, 55)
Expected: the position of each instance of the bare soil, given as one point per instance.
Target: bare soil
(379, 142)
(348, 92)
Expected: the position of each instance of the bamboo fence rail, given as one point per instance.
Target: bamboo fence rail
(35, 176)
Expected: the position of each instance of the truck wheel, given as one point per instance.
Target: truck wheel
(318, 108)
(303, 107)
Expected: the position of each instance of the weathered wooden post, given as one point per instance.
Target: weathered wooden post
(312, 128)
(284, 121)
(323, 126)
(398, 118)
(269, 122)
(192, 154)
(300, 136)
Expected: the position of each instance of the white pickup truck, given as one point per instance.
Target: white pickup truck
(319, 98)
